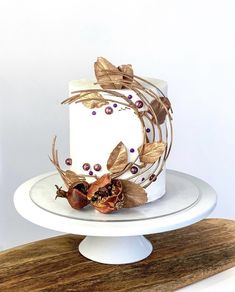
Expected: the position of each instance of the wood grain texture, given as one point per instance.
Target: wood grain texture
(180, 258)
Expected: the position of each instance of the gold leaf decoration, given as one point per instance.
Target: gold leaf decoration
(118, 158)
(134, 194)
(72, 178)
(159, 110)
(102, 66)
(127, 69)
(150, 152)
(96, 99)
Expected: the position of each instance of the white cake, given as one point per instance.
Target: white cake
(94, 134)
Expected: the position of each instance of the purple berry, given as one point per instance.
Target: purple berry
(132, 150)
(114, 105)
(97, 167)
(94, 113)
(148, 130)
(153, 177)
(90, 172)
(139, 103)
(134, 169)
(68, 161)
(129, 96)
(86, 166)
(108, 110)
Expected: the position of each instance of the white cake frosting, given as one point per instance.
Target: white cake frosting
(94, 136)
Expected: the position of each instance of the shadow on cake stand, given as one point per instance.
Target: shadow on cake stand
(116, 238)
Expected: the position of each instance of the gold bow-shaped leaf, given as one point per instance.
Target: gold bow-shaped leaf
(151, 152)
(111, 77)
(118, 158)
(160, 110)
(134, 194)
(92, 99)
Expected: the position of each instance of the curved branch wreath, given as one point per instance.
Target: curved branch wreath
(109, 192)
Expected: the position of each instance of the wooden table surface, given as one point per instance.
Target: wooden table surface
(180, 258)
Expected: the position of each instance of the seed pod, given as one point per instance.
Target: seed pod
(109, 204)
(76, 195)
(108, 197)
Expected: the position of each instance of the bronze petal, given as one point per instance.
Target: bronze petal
(72, 178)
(134, 194)
(127, 69)
(99, 183)
(159, 110)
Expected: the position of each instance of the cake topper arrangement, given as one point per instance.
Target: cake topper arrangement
(110, 192)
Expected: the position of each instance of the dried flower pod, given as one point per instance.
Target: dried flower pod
(76, 195)
(110, 204)
(99, 183)
(106, 194)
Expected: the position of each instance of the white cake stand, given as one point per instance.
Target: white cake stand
(116, 238)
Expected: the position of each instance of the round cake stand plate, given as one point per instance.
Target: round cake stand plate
(116, 238)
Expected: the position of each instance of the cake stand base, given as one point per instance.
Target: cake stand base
(115, 250)
(117, 238)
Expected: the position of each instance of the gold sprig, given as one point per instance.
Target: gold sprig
(110, 77)
(69, 177)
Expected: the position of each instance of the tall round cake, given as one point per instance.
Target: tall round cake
(120, 139)
(95, 132)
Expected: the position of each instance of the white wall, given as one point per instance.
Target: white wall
(44, 44)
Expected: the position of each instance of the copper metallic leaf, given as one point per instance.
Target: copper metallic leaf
(118, 158)
(72, 178)
(127, 69)
(102, 68)
(159, 110)
(134, 194)
(150, 152)
(96, 99)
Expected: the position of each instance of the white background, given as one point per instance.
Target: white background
(44, 44)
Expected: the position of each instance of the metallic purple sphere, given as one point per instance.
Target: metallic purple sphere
(153, 177)
(90, 172)
(68, 161)
(132, 150)
(148, 130)
(108, 110)
(139, 103)
(86, 166)
(134, 169)
(97, 167)
(115, 105)
(129, 96)
(94, 113)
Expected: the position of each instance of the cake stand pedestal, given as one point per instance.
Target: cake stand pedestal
(115, 250)
(116, 238)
